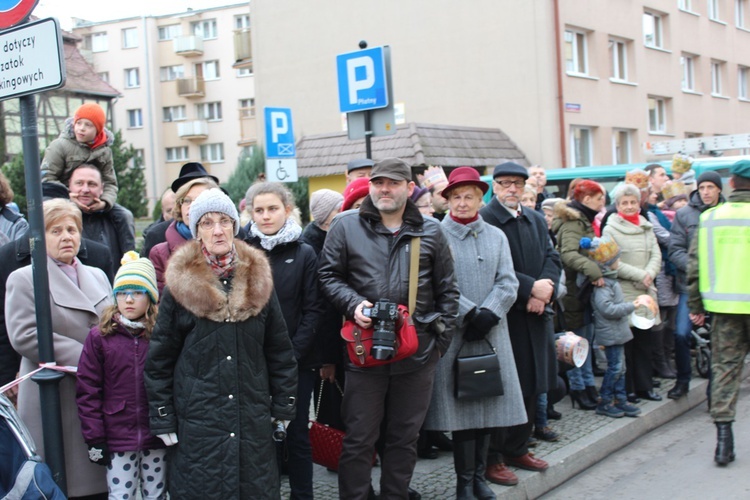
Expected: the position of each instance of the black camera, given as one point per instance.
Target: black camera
(384, 315)
(279, 431)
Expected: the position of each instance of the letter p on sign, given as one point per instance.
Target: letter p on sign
(357, 84)
(279, 125)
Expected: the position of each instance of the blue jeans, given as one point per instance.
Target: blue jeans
(540, 422)
(582, 377)
(613, 383)
(682, 337)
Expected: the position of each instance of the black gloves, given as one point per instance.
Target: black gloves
(481, 321)
(99, 454)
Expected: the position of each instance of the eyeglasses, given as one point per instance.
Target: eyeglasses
(186, 201)
(130, 294)
(208, 224)
(507, 184)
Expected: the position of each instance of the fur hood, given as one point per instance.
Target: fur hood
(565, 213)
(194, 286)
(69, 133)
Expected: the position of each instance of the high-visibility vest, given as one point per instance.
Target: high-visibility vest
(724, 258)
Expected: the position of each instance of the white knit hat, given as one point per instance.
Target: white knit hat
(323, 202)
(212, 201)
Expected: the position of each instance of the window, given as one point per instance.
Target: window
(247, 108)
(717, 68)
(740, 11)
(208, 70)
(657, 115)
(713, 10)
(104, 75)
(688, 72)
(580, 146)
(653, 30)
(575, 52)
(244, 71)
(212, 153)
(742, 82)
(97, 42)
(169, 73)
(129, 38)
(242, 21)
(132, 78)
(618, 54)
(137, 161)
(169, 32)
(209, 111)
(685, 5)
(620, 146)
(173, 113)
(177, 154)
(205, 29)
(135, 118)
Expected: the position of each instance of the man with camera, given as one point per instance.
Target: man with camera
(364, 268)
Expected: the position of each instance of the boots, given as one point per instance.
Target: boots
(463, 461)
(582, 399)
(481, 447)
(724, 443)
(592, 393)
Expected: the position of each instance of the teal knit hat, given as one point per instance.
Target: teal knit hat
(136, 274)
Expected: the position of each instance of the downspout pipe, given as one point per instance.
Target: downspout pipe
(560, 99)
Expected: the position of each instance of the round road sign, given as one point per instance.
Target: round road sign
(13, 12)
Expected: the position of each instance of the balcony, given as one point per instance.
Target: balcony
(248, 127)
(194, 130)
(191, 87)
(243, 49)
(188, 46)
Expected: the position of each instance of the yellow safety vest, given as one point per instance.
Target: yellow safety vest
(724, 258)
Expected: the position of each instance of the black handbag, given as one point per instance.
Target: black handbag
(477, 376)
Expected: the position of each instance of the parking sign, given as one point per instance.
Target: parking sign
(279, 133)
(362, 80)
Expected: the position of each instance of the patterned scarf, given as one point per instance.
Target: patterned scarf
(289, 232)
(221, 266)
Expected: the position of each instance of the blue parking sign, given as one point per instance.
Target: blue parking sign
(279, 133)
(362, 80)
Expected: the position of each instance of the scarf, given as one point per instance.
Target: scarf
(586, 211)
(134, 327)
(634, 219)
(465, 221)
(70, 270)
(660, 216)
(288, 233)
(221, 266)
(184, 230)
(99, 140)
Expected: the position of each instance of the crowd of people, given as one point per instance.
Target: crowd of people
(198, 360)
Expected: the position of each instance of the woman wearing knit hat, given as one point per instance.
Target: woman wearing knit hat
(84, 139)
(110, 391)
(220, 372)
(422, 198)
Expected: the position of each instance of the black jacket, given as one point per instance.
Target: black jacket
(363, 260)
(114, 229)
(220, 365)
(294, 267)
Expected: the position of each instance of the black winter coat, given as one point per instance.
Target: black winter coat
(534, 258)
(220, 366)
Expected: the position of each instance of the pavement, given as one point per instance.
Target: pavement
(585, 439)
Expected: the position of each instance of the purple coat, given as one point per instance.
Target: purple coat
(161, 253)
(112, 402)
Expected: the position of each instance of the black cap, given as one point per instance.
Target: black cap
(190, 171)
(710, 176)
(359, 163)
(52, 190)
(510, 168)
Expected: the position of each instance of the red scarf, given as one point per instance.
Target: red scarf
(465, 221)
(99, 140)
(634, 219)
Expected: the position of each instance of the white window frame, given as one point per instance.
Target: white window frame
(171, 73)
(132, 78)
(179, 153)
(714, 12)
(209, 111)
(687, 62)
(717, 84)
(740, 12)
(617, 135)
(244, 72)
(209, 70)
(576, 61)
(129, 38)
(169, 32)
(618, 54)
(247, 107)
(135, 118)
(104, 76)
(686, 5)
(174, 113)
(99, 42)
(657, 22)
(577, 160)
(657, 115)
(242, 21)
(206, 29)
(212, 153)
(743, 83)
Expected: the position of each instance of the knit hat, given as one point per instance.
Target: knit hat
(91, 111)
(212, 200)
(710, 176)
(323, 202)
(638, 178)
(603, 250)
(681, 163)
(136, 274)
(358, 188)
(418, 193)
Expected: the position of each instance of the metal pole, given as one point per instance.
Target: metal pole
(368, 135)
(48, 380)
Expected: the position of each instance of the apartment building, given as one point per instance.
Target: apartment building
(572, 82)
(186, 85)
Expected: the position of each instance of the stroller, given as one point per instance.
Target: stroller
(23, 475)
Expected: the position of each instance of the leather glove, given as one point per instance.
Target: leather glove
(483, 320)
(99, 454)
(169, 439)
(471, 334)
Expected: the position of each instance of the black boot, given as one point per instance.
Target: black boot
(463, 462)
(680, 389)
(481, 447)
(592, 393)
(582, 399)
(724, 443)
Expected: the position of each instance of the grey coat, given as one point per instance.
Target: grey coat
(485, 275)
(611, 313)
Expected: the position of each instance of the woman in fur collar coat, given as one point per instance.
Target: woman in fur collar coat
(220, 366)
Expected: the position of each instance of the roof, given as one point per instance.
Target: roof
(80, 76)
(415, 143)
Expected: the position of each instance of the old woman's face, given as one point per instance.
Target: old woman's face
(216, 232)
(629, 205)
(63, 239)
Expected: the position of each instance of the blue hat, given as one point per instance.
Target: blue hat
(741, 169)
(510, 168)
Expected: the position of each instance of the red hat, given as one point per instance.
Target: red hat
(464, 176)
(358, 188)
(91, 111)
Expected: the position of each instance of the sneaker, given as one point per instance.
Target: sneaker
(628, 409)
(609, 410)
(546, 434)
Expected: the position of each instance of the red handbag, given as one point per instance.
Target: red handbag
(359, 341)
(326, 441)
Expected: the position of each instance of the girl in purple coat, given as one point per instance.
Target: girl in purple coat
(112, 403)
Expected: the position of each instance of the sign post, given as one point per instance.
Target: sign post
(281, 152)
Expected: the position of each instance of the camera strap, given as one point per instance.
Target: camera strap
(413, 273)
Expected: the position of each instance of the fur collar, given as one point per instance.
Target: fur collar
(562, 211)
(194, 286)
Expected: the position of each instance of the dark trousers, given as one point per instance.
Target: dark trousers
(366, 395)
(513, 441)
(297, 444)
(638, 376)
